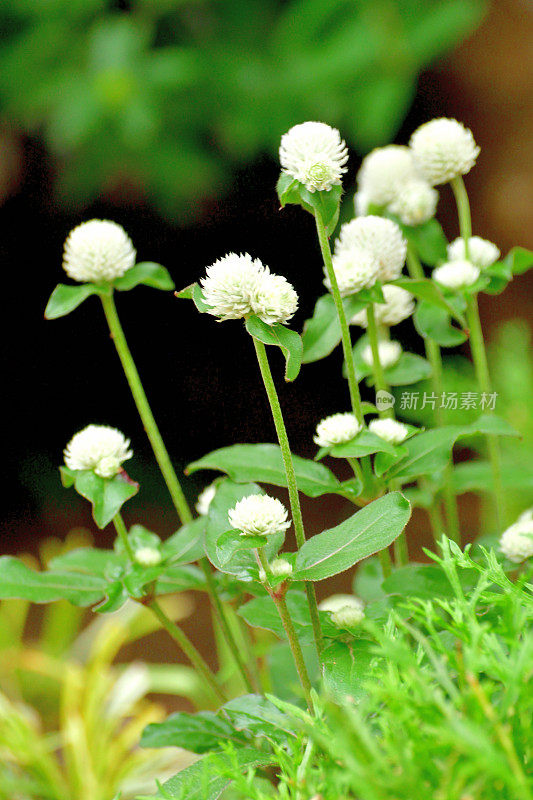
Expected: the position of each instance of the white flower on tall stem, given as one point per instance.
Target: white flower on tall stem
(345, 610)
(336, 429)
(274, 299)
(516, 543)
(100, 448)
(355, 269)
(259, 515)
(481, 252)
(415, 202)
(98, 250)
(205, 498)
(314, 154)
(443, 149)
(389, 429)
(381, 238)
(399, 304)
(389, 354)
(456, 274)
(383, 172)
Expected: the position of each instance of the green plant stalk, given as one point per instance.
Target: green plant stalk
(165, 465)
(292, 486)
(120, 528)
(288, 626)
(377, 369)
(434, 357)
(353, 384)
(385, 561)
(477, 345)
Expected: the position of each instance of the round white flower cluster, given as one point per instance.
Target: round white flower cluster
(481, 252)
(355, 269)
(314, 154)
(443, 149)
(100, 448)
(456, 274)
(98, 250)
(259, 515)
(389, 429)
(399, 304)
(346, 610)
(336, 429)
(389, 354)
(388, 177)
(238, 285)
(205, 499)
(516, 542)
(148, 556)
(380, 238)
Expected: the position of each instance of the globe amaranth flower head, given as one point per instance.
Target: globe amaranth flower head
(415, 202)
(259, 515)
(346, 611)
(100, 448)
(516, 543)
(336, 429)
(481, 252)
(279, 567)
(384, 171)
(98, 250)
(399, 304)
(381, 238)
(389, 353)
(314, 154)
(148, 556)
(443, 149)
(238, 285)
(456, 274)
(205, 499)
(355, 269)
(389, 429)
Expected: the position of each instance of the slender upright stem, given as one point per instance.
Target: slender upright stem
(288, 626)
(463, 211)
(120, 528)
(292, 486)
(353, 385)
(401, 554)
(165, 465)
(385, 561)
(377, 369)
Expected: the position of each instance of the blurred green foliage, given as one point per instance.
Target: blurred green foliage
(168, 96)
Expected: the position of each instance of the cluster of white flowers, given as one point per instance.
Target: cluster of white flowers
(355, 269)
(456, 274)
(147, 556)
(336, 429)
(389, 429)
(205, 499)
(259, 515)
(314, 154)
(346, 611)
(380, 238)
(516, 542)
(399, 304)
(238, 285)
(389, 354)
(481, 252)
(100, 448)
(443, 149)
(98, 250)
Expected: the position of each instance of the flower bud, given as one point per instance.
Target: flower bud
(516, 543)
(384, 171)
(346, 610)
(259, 515)
(456, 274)
(415, 202)
(443, 149)
(389, 354)
(389, 429)
(398, 305)
(336, 429)
(381, 238)
(148, 557)
(205, 498)
(481, 252)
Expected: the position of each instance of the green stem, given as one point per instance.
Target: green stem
(401, 553)
(463, 211)
(353, 385)
(120, 528)
(288, 626)
(385, 561)
(437, 523)
(292, 486)
(165, 465)
(377, 369)
(189, 649)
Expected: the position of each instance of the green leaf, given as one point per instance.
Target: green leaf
(519, 260)
(346, 667)
(476, 476)
(428, 240)
(107, 495)
(427, 290)
(261, 612)
(198, 733)
(179, 578)
(364, 444)
(289, 341)
(368, 579)
(187, 544)
(88, 560)
(146, 273)
(263, 463)
(410, 368)
(326, 203)
(65, 299)
(435, 323)
(19, 581)
(258, 716)
(322, 332)
(366, 532)
(232, 542)
(418, 580)
(186, 294)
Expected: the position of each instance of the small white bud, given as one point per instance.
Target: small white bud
(399, 304)
(281, 568)
(361, 202)
(516, 542)
(98, 250)
(481, 252)
(98, 447)
(526, 516)
(336, 429)
(147, 556)
(456, 274)
(389, 429)
(384, 171)
(389, 354)
(259, 515)
(443, 149)
(355, 269)
(346, 610)
(314, 154)
(381, 238)
(415, 202)
(205, 498)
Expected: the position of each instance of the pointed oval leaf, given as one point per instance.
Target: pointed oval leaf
(147, 273)
(107, 495)
(435, 323)
(199, 733)
(19, 581)
(426, 289)
(65, 299)
(289, 341)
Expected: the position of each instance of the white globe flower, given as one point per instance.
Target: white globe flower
(481, 252)
(389, 354)
(259, 515)
(361, 202)
(355, 269)
(346, 610)
(100, 448)
(399, 304)
(336, 429)
(274, 299)
(415, 202)
(98, 250)
(384, 171)
(230, 284)
(389, 429)
(380, 237)
(443, 149)
(148, 556)
(281, 568)
(456, 274)
(314, 154)
(526, 516)
(516, 542)
(205, 499)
